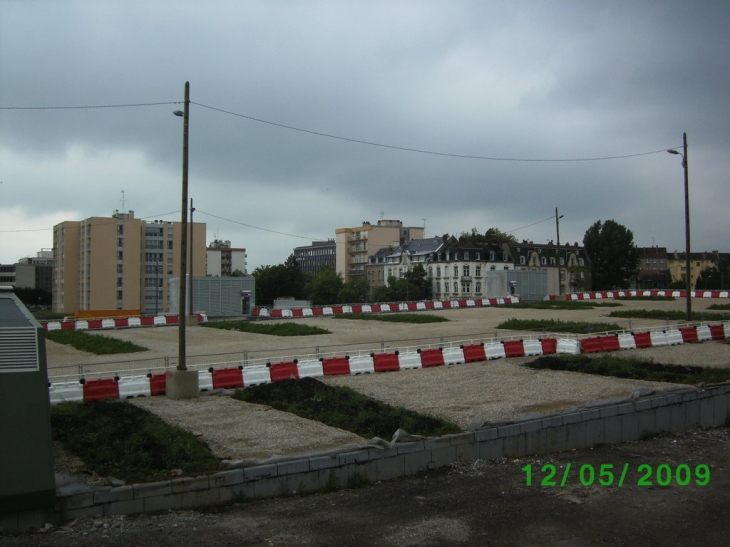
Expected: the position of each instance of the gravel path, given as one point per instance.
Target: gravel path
(492, 390)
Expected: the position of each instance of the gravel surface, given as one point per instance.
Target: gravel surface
(492, 390)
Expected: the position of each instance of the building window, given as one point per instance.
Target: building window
(438, 287)
(466, 255)
(446, 287)
(466, 270)
(456, 271)
(478, 288)
(438, 271)
(505, 257)
(477, 270)
(523, 260)
(491, 255)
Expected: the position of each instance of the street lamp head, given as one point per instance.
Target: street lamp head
(179, 113)
(670, 151)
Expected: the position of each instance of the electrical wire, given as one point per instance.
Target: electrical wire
(134, 105)
(258, 227)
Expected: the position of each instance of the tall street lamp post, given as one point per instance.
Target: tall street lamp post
(688, 276)
(557, 228)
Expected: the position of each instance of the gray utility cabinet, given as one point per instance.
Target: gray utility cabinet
(27, 479)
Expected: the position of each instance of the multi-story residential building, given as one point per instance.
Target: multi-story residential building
(120, 263)
(567, 266)
(677, 264)
(459, 268)
(396, 261)
(222, 260)
(355, 245)
(653, 269)
(312, 257)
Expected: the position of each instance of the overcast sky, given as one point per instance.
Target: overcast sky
(511, 80)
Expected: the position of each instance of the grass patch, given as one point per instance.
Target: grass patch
(119, 439)
(556, 325)
(633, 368)
(565, 305)
(669, 315)
(93, 343)
(719, 307)
(395, 318)
(658, 298)
(343, 408)
(273, 329)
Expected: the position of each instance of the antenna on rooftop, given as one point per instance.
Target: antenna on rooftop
(123, 209)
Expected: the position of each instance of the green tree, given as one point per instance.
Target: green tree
(297, 278)
(495, 235)
(381, 293)
(325, 288)
(271, 283)
(709, 279)
(613, 255)
(356, 290)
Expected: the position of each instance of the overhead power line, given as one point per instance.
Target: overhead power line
(347, 139)
(257, 227)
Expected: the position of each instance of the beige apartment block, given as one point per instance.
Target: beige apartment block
(119, 262)
(353, 246)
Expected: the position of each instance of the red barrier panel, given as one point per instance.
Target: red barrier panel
(297, 312)
(121, 322)
(94, 323)
(385, 362)
(717, 332)
(147, 321)
(98, 390)
(432, 357)
(335, 365)
(474, 353)
(429, 305)
(412, 306)
(375, 308)
(283, 371)
(445, 304)
(172, 320)
(317, 311)
(255, 312)
(158, 384)
(549, 346)
(275, 313)
(462, 303)
(227, 377)
(689, 334)
(642, 339)
(591, 345)
(610, 343)
(514, 348)
(357, 308)
(68, 325)
(336, 309)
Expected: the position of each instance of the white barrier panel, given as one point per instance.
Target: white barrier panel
(134, 386)
(704, 333)
(470, 304)
(82, 325)
(626, 341)
(310, 368)
(362, 364)
(346, 309)
(256, 375)
(327, 311)
(621, 294)
(572, 297)
(455, 304)
(366, 308)
(53, 325)
(438, 305)
(494, 351)
(402, 306)
(107, 324)
(532, 347)
(307, 312)
(566, 345)
(658, 339)
(409, 359)
(160, 320)
(724, 294)
(203, 317)
(421, 306)
(674, 337)
(205, 380)
(263, 312)
(707, 294)
(66, 392)
(453, 356)
(134, 322)
(287, 313)
(384, 307)
(726, 328)
(599, 296)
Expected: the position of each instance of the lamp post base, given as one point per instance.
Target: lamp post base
(182, 384)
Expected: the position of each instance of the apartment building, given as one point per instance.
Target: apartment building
(120, 262)
(677, 264)
(567, 266)
(222, 260)
(354, 246)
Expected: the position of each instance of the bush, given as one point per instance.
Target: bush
(556, 325)
(274, 329)
(93, 343)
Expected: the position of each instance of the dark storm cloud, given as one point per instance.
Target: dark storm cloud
(530, 80)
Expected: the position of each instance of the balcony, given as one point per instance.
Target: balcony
(466, 279)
